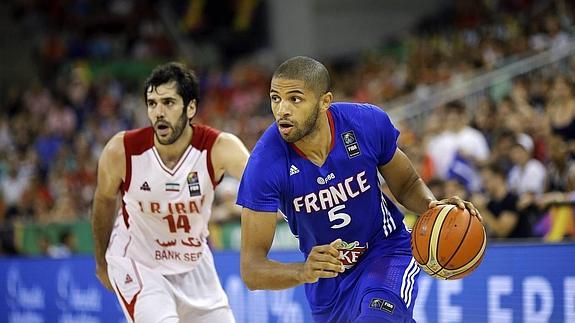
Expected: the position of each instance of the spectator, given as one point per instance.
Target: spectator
(459, 148)
(560, 168)
(559, 199)
(64, 247)
(527, 176)
(500, 150)
(67, 113)
(498, 206)
(561, 109)
(13, 185)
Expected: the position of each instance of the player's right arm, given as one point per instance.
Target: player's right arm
(259, 272)
(111, 169)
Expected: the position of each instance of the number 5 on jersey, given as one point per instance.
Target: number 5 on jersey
(334, 216)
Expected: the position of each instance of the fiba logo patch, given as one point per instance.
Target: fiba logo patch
(194, 184)
(351, 145)
(348, 137)
(376, 303)
(382, 305)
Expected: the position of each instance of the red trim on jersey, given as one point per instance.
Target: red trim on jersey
(178, 164)
(332, 128)
(125, 214)
(126, 246)
(131, 306)
(298, 151)
(332, 131)
(203, 139)
(135, 143)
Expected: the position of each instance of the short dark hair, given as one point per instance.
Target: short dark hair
(455, 107)
(496, 169)
(188, 86)
(313, 73)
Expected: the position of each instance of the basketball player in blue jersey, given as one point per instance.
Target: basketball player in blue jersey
(318, 165)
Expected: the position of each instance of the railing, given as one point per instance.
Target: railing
(414, 107)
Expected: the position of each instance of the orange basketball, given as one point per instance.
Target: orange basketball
(448, 242)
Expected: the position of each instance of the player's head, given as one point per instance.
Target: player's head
(299, 91)
(171, 93)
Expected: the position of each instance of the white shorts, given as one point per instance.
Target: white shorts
(149, 297)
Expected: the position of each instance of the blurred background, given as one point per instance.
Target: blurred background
(483, 93)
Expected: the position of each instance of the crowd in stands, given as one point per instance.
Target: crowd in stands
(512, 154)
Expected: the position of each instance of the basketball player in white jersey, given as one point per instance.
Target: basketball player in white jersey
(153, 252)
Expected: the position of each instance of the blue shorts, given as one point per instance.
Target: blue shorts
(382, 287)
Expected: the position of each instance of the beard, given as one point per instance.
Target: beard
(307, 128)
(176, 131)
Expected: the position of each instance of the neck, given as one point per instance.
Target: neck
(171, 153)
(523, 163)
(316, 144)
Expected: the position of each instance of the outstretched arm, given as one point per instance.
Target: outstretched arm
(111, 169)
(259, 272)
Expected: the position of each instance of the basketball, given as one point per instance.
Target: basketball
(448, 242)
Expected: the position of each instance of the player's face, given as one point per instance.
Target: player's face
(166, 112)
(295, 108)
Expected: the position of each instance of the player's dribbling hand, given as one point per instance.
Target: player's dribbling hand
(102, 274)
(323, 262)
(457, 201)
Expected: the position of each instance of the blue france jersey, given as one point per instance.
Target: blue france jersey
(339, 199)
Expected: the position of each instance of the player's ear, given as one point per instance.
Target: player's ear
(192, 108)
(325, 101)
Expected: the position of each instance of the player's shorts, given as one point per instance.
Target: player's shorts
(147, 296)
(382, 289)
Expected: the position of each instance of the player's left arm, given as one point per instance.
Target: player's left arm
(229, 154)
(410, 190)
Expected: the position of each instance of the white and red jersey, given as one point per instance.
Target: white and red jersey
(163, 222)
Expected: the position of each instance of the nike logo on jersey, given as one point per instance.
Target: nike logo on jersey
(293, 170)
